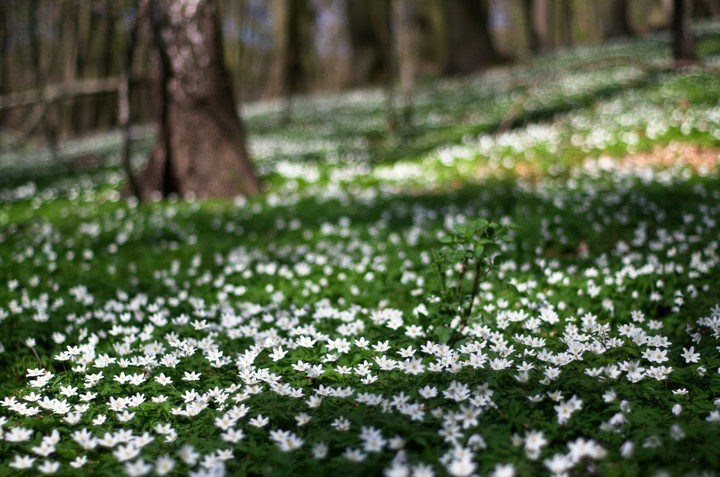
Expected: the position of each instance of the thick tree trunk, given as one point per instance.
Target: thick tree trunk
(683, 41)
(617, 24)
(370, 41)
(200, 149)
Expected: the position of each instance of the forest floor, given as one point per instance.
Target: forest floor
(523, 279)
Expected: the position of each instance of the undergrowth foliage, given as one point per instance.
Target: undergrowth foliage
(538, 301)
(467, 256)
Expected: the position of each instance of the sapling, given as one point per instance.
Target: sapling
(470, 253)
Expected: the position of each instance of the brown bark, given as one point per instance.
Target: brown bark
(617, 24)
(200, 149)
(58, 92)
(537, 15)
(123, 106)
(470, 46)
(712, 7)
(403, 18)
(430, 36)
(370, 41)
(3, 55)
(566, 29)
(683, 41)
(293, 60)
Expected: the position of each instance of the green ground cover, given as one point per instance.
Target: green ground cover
(309, 331)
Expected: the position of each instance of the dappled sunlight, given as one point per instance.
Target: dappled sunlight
(334, 324)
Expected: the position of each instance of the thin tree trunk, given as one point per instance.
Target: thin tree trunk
(200, 149)
(617, 23)
(280, 14)
(536, 14)
(713, 6)
(370, 41)
(566, 29)
(124, 106)
(683, 41)
(105, 106)
(3, 60)
(402, 15)
(470, 46)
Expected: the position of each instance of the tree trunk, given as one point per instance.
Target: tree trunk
(712, 7)
(3, 61)
(566, 31)
(617, 24)
(430, 36)
(683, 41)
(200, 149)
(470, 46)
(403, 18)
(536, 13)
(370, 41)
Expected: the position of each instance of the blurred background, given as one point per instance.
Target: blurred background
(62, 59)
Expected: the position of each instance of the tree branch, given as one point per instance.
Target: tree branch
(59, 92)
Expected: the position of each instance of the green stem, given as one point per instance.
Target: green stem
(440, 271)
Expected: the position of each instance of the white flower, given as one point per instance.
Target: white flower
(79, 462)
(278, 354)
(259, 421)
(534, 442)
(22, 462)
(341, 424)
(233, 435)
(320, 450)
(137, 468)
(354, 455)
(566, 409)
(49, 467)
(690, 355)
(164, 465)
(423, 470)
(558, 464)
(503, 470)
(655, 355)
(428, 392)
(302, 419)
(397, 469)
(163, 380)
(287, 441)
(461, 467)
(191, 376)
(713, 417)
(627, 449)
(18, 434)
(126, 452)
(188, 455)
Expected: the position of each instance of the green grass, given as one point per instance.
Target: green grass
(613, 261)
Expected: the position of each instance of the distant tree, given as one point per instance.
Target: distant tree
(683, 41)
(469, 44)
(370, 36)
(293, 60)
(404, 22)
(566, 26)
(200, 148)
(617, 24)
(537, 24)
(706, 8)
